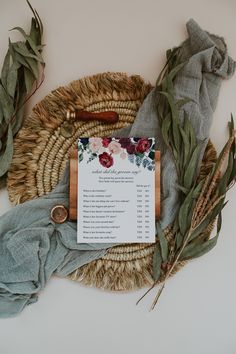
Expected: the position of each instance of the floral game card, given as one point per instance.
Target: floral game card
(116, 190)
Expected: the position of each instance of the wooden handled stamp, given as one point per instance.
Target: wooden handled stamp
(106, 117)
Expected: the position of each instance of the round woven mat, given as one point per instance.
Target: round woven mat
(41, 151)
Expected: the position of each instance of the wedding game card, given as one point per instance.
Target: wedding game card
(116, 190)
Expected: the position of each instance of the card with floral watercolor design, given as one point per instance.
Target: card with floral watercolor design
(116, 190)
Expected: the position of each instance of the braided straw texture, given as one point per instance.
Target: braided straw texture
(41, 152)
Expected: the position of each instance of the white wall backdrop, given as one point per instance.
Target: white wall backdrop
(197, 311)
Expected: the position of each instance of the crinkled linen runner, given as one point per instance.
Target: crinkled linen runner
(33, 247)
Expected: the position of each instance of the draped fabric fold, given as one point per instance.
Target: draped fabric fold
(33, 247)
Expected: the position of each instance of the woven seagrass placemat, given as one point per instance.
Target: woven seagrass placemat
(41, 151)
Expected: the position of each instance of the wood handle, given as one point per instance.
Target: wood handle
(107, 117)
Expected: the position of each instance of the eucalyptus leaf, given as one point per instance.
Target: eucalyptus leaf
(169, 55)
(18, 120)
(1, 117)
(6, 104)
(21, 48)
(163, 243)
(3, 181)
(34, 67)
(5, 69)
(20, 59)
(208, 220)
(165, 129)
(6, 156)
(18, 117)
(184, 211)
(157, 261)
(175, 120)
(190, 172)
(187, 126)
(183, 101)
(196, 249)
(175, 226)
(12, 79)
(30, 41)
(182, 189)
(185, 146)
(37, 21)
(11, 49)
(35, 32)
(232, 132)
(176, 70)
(29, 80)
(197, 188)
(179, 240)
(169, 85)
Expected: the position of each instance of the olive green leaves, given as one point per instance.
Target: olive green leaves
(201, 199)
(21, 76)
(202, 203)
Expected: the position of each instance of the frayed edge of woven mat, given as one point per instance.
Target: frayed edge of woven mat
(25, 180)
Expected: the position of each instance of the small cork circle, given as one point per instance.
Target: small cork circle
(59, 214)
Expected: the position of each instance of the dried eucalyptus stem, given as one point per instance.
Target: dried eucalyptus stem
(202, 199)
(21, 76)
(197, 219)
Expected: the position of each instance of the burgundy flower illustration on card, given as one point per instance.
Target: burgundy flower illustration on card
(139, 151)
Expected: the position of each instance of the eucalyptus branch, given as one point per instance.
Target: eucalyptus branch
(21, 76)
(202, 200)
(193, 244)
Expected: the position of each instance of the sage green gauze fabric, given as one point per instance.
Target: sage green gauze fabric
(200, 79)
(33, 247)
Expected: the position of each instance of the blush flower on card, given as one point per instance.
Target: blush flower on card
(139, 151)
(114, 147)
(95, 144)
(106, 160)
(123, 155)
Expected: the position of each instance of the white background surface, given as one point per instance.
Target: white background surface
(197, 311)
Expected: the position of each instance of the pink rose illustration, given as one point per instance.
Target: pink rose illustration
(106, 160)
(114, 147)
(142, 145)
(95, 144)
(123, 155)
